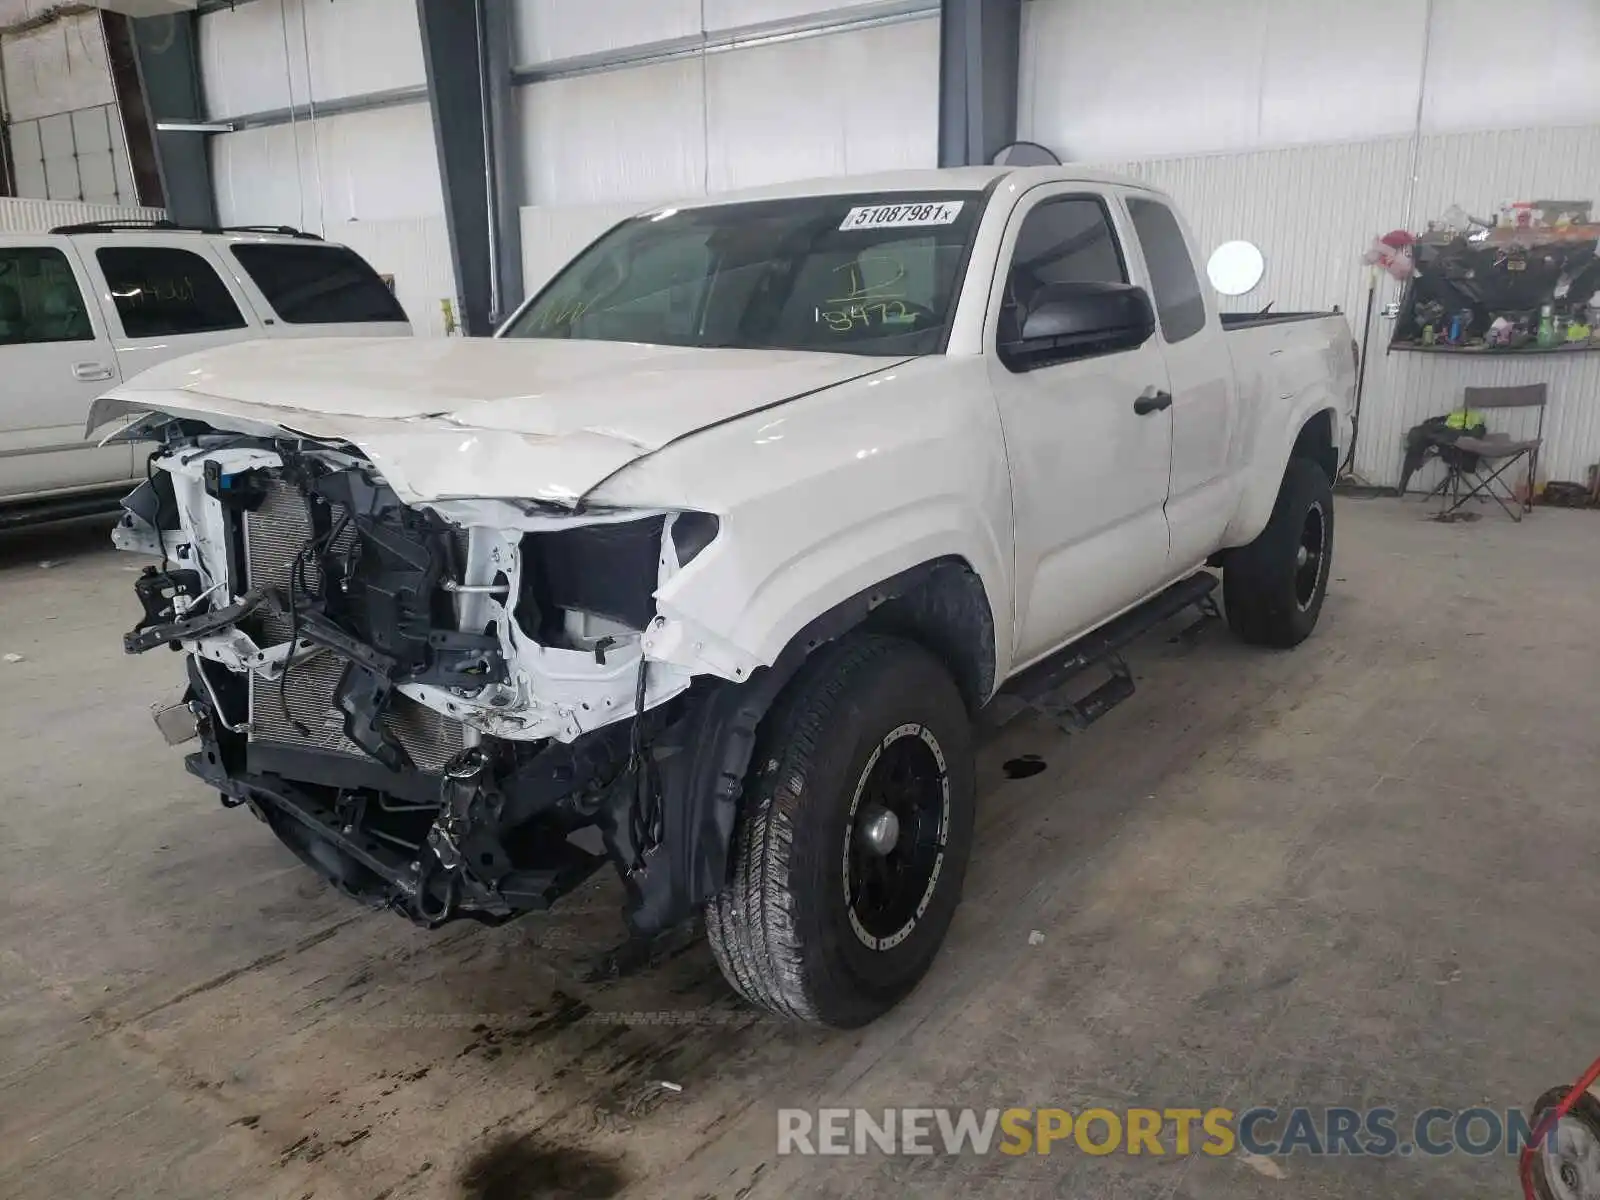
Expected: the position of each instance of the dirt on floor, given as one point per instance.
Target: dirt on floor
(1362, 873)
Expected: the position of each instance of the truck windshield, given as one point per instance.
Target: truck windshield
(862, 274)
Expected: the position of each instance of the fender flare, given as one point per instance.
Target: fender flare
(1255, 503)
(703, 757)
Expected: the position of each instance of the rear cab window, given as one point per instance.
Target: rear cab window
(166, 291)
(318, 284)
(40, 300)
(1179, 302)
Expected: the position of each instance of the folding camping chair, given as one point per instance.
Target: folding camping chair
(1480, 462)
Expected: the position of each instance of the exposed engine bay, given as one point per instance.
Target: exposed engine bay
(430, 704)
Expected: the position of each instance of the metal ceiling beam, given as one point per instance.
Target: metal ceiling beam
(393, 98)
(744, 37)
(464, 48)
(980, 47)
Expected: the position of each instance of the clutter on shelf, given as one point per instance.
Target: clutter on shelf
(1526, 280)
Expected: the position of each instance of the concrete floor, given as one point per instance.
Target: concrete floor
(1364, 872)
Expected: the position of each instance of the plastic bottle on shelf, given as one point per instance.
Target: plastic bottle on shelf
(1547, 327)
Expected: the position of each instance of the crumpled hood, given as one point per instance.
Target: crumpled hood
(453, 418)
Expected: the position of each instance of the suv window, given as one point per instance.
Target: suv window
(1179, 304)
(162, 290)
(40, 301)
(316, 284)
(1069, 240)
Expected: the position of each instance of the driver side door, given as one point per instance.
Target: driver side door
(1089, 469)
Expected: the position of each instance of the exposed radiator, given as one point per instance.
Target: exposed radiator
(274, 534)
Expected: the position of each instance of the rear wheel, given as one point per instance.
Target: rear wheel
(852, 843)
(1273, 588)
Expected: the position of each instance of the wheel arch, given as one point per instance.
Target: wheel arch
(940, 604)
(1314, 434)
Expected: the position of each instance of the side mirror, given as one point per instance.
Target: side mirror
(1076, 320)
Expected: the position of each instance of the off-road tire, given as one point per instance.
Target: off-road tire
(1264, 584)
(782, 929)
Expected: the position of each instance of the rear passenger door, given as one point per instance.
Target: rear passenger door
(56, 357)
(164, 298)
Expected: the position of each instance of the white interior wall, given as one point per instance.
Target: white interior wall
(255, 58)
(367, 179)
(547, 30)
(1166, 77)
(367, 166)
(737, 119)
(66, 133)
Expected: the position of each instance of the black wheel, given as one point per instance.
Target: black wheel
(1567, 1166)
(852, 842)
(1273, 588)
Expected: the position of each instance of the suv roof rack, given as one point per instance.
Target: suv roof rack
(174, 227)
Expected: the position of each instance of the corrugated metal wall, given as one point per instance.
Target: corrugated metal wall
(861, 100)
(1315, 209)
(40, 216)
(366, 166)
(367, 179)
(546, 30)
(1141, 78)
(255, 56)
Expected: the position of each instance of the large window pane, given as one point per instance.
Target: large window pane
(318, 285)
(1179, 303)
(160, 291)
(40, 301)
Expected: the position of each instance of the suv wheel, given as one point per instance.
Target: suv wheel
(1273, 588)
(852, 840)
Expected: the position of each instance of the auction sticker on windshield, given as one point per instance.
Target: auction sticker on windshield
(889, 216)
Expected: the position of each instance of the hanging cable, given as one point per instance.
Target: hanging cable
(294, 128)
(316, 148)
(705, 107)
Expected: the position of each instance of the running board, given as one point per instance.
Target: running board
(1038, 687)
(61, 508)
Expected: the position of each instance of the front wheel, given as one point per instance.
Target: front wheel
(852, 843)
(1273, 588)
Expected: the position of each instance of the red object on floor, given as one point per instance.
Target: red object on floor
(1548, 1123)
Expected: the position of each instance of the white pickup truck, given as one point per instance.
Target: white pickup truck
(720, 546)
(85, 306)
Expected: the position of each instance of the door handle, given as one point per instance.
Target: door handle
(90, 372)
(1152, 401)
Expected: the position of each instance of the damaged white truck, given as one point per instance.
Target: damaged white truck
(719, 547)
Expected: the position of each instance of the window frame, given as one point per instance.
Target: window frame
(243, 307)
(1129, 199)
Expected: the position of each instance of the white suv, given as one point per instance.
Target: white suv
(86, 307)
